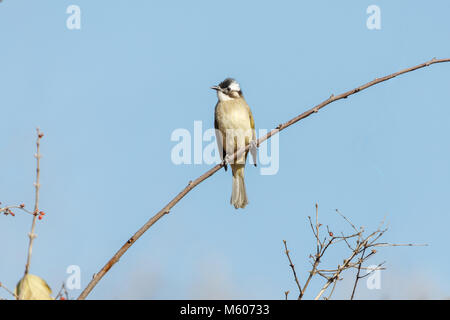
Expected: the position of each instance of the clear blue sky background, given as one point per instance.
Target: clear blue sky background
(108, 97)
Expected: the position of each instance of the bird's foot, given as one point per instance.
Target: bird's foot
(253, 150)
(226, 161)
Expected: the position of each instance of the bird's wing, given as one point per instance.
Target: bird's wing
(220, 137)
(252, 124)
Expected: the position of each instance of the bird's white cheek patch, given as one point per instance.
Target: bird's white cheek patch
(234, 86)
(223, 97)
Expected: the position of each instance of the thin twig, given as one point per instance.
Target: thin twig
(322, 248)
(292, 267)
(398, 245)
(37, 185)
(332, 289)
(7, 290)
(371, 270)
(192, 184)
(62, 291)
(345, 218)
(7, 210)
(317, 228)
(337, 273)
(357, 274)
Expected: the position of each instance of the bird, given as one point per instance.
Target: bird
(235, 128)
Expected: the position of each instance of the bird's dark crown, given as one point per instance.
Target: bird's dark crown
(226, 83)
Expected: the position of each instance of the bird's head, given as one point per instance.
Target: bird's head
(228, 89)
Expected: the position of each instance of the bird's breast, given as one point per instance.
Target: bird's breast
(233, 115)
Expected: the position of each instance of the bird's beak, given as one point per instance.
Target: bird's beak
(217, 88)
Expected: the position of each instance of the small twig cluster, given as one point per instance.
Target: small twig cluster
(36, 213)
(361, 247)
(8, 209)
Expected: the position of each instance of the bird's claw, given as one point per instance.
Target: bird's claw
(226, 160)
(253, 149)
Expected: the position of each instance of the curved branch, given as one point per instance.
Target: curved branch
(192, 184)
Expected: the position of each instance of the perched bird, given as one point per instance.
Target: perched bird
(235, 129)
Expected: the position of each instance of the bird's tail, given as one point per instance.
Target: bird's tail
(238, 194)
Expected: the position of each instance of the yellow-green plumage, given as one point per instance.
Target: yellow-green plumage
(234, 121)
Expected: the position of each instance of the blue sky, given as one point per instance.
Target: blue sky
(108, 97)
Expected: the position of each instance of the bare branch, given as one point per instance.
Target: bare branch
(293, 268)
(358, 243)
(353, 226)
(357, 274)
(37, 185)
(7, 290)
(192, 184)
(7, 210)
(62, 294)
